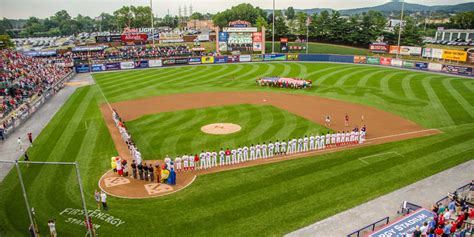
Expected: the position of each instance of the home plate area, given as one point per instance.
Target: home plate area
(156, 188)
(115, 181)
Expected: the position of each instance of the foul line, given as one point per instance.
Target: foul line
(403, 134)
(385, 153)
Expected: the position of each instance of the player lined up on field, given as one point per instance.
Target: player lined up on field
(126, 137)
(207, 160)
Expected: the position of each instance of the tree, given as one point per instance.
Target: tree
(281, 29)
(85, 23)
(300, 27)
(197, 16)
(411, 34)
(124, 17)
(261, 22)
(5, 25)
(5, 41)
(290, 13)
(463, 20)
(108, 22)
(32, 26)
(141, 16)
(244, 11)
(60, 17)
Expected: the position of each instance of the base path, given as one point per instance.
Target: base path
(424, 193)
(382, 126)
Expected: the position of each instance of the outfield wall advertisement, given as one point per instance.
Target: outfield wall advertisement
(82, 68)
(421, 66)
(274, 57)
(432, 53)
(460, 70)
(411, 51)
(141, 64)
(97, 67)
(436, 67)
(455, 55)
(155, 63)
(408, 64)
(257, 57)
(195, 60)
(127, 65)
(396, 62)
(245, 58)
(360, 59)
(220, 59)
(112, 66)
(373, 60)
(207, 59)
(386, 61)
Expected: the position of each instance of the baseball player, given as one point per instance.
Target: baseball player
(346, 120)
(338, 138)
(348, 138)
(362, 137)
(271, 148)
(177, 163)
(277, 147)
(234, 156)
(289, 151)
(202, 158)
(305, 143)
(193, 162)
(356, 137)
(252, 152)
(258, 151)
(343, 138)
(264, 151)
(328, 139)
(333, 139)
(214, 159)
(208, 160)
(317, 141)
(311, 142)
(293, 145)
(221, 156)
(240, 155)
(227, 156)
(327, 121)
(283, 147)
(185, 162)
(352, 137)
(300, 144)
(246, 153)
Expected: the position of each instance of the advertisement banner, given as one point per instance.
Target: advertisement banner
(170, 61)
(233, 59)
(470, 56)
(408, 50)
(460, 70)
(292, 57)
(82, 68)
(203, 37)
(155, 63)
(436, 67)
(182, 60)
(360, 59)
(405, 224)
(223, 36)
(220, 59)
(97, 67)
(432, 53)
(379, 48)
(108, 39)
(223, 46)
(207, 59)
(170, 37)
(421, 65)
(373, 60)
(397, 62)
(112, 66)
(257, 46)
(386, 61)
(194, 60)
(393, 49)
(257, 37)
(455, 55)
(257, 57)
(127, 65)
(408, 64)
(141, 64)
(245, 58)
(274, 57)
(134, 37)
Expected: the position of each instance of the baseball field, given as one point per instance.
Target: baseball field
(267, 199)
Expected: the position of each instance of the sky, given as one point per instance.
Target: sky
(15, 9)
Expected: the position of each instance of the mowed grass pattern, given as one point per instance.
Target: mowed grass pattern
(265, 200)
(178, 133)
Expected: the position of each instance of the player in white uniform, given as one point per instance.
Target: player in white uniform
(312, 144)
(239, 155)
(214, 159)
(185, 162)
(221, 157)
(177, 162)
(356, 137)
(191, 162)
(305, 143)
(252, 152)
(289, 151)
(283, 147)
(362, 137)
(317, 139)
(277, 147)
(328, 139)
(338, 138)
(271, 148)
(293, 145)
(300, 145)
(246, 153)
(348, 138)
(208, 160)
(234, 156)
(264, 151)
(202, 159)
(258, 151)
(333, 139)
(352, 138)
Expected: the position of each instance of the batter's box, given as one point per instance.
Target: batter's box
(115, 181)
(158, 188)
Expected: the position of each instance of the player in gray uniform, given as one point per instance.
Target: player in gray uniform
(300, 145)
(271, 148)
(239, 155)
(246, 153)
(283, 147)
(234, 156)
(258, 151)
(305, 143)
(214, 159)
(277, 148)
(252, 152)
(221, 157)
(264, 151)
(312, 144)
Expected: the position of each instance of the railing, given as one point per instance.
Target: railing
(459, 191)
(370, 227)
(20, 115)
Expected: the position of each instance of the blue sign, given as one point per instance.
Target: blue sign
(112, 66)
(408, 223)
(220, 59)
(97, 67)
(82, 68)
(223, 36)
(195, 60)
(141, 64)
(420, 65)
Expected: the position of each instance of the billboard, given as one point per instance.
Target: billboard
(292, 57)
(245, 58)
(257, 37)
(223, 36)
(82, 68)
(108, 39)
(460, 70)
(394, 49)
(233, 59)
(240, 29)
(421, 66)
(207, 59)
(182, 60)
(408, 50)
(436, 67)
(170, 37)
(455, 55)
(97, 67)
(360, 59)
(220, 59)
(284, 44)
(127, 65)
(257, 46)
(386, 61)
(379, 48)
(222, 46)
(432, 53)
(408, 64)
(373, 60)
(141, 64)
(112, 66)
(404, 224)
(196, 60)
(170, 61)
(274, 57)
(397, 62)
(155, 63)
(257, 58)
(134, 37)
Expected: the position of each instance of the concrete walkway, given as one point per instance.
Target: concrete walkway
(424, 192)
(9, 148)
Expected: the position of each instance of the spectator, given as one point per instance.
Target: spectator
(103, 199)
(52, 227)
(97, 198)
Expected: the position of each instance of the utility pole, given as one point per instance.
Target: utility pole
(273, 30)
(152, 24)
(400, 29)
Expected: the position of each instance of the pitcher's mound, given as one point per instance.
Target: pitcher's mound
(220, 128)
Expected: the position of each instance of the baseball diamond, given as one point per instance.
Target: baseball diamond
(423, 121)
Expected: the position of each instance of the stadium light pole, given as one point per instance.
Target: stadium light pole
(152, 24)
(400, 29)
(273, 28)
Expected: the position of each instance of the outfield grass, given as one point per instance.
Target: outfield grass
(264, 200)
(179, 133)
(320, 48)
